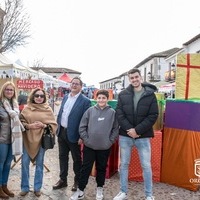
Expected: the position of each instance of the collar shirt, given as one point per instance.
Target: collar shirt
(67, 109)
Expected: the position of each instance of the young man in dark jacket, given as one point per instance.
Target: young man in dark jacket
(137, 111)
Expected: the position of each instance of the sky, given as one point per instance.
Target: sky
(104, 38)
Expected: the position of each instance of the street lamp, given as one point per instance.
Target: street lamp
(172, 68)
(149, 76)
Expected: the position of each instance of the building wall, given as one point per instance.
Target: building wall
(110, 84)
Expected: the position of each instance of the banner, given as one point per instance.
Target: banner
(29, 84)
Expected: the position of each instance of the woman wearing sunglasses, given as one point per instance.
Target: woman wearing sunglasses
(35, 117)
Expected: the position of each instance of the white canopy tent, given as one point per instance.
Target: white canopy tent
(8, 69)
(12, 71)
(50, 81)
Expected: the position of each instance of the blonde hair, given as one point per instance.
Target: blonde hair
(4, 86)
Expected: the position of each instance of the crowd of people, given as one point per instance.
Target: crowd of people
(79, 127)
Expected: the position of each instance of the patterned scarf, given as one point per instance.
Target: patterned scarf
(16, 127)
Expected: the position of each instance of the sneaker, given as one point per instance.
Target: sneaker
(77, 195)
(120, 196)
(99, 195)
(150, 198)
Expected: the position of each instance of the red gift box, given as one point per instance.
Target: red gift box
(135, 170)
(112, 164)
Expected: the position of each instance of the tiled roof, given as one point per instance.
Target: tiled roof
(117, 77)
(160, 54)
(192, 40)
(56, 70)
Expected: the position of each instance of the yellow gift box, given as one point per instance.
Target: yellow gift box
(161, 106)
(188, 76)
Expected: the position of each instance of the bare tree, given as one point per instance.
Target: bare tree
(16, 26)
(38, 63)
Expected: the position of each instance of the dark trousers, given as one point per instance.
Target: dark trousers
(101, 159)
(65, 146)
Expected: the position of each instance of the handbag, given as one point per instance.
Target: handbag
(48, 138)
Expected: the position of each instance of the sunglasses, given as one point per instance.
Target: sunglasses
(39, 95)
(9, 90)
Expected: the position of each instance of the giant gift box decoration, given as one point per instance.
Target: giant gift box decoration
(181, 144)
(112, 164)
(161, 103)
(188, 76)
(135, 170)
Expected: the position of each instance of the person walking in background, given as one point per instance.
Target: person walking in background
(137, 111)
(10, 130)
(22, 100)
(71, 111)
(35, 117)
(98, 130)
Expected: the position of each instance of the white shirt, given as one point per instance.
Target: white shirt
(67, 109)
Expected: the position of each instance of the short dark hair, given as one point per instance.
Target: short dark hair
(103, 92)
(77, 78)
(134, 70)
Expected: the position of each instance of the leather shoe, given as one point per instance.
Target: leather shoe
(74, 187)
(23, 193)
(38, 193)
(60, 184)
(7, 191)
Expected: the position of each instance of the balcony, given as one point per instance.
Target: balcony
(154, 78)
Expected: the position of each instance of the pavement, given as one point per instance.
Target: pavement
(161, 191)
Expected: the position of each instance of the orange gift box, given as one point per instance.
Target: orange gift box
(181, 152)
(135, 170)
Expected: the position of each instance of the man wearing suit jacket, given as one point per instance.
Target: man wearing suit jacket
(71, 111)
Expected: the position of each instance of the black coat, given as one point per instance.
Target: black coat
(144, 117)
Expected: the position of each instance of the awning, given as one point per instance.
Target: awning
(65, 77)
(167, 88)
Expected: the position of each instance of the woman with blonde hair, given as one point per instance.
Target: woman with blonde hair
(10, 134)
(35, 117)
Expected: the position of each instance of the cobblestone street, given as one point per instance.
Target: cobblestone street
(161, 191)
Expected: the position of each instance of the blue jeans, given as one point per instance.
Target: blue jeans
(38, 178)
(144, 149)
(5, 162)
